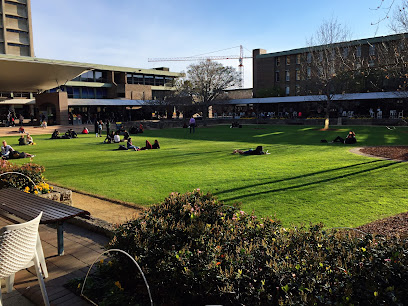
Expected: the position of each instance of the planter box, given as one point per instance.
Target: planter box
(59, 194)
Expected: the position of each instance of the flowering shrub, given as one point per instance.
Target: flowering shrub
(33, 171)
(194, 249)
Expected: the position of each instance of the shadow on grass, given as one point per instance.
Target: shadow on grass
(378, 164)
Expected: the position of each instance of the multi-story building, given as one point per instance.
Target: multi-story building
(16, 36)
(358, 66)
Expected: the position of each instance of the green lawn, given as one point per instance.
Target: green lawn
(301, 181)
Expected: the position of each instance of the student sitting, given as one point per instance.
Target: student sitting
(85, 131)
(72, 133)
(22, 141)
(350, 138)
(7, 152)
(55, 134)
(148, 146)
(116, 138)
(126, 135)
(130, 146)
(30, 140)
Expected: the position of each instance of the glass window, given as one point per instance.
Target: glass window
(69, 92)
(287, 75)
(309, 72)
(169, 81)
(297, 74)
(159, 81)
(84, 93)
(297, 58)
(138, 79)
(87, 77)
(358, 51)
(345, 52)
(129, 78)
(98, 76)
(277, 76)
(287, 90)
(287, 60)
(372, 50)
(91, 93)
(149, 80)
(101, 93)
(277, 61)
(76, 94)
(309, 57)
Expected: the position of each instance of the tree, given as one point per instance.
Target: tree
(206, 82)
(328, 62)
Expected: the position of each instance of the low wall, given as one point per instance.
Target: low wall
(59, 194)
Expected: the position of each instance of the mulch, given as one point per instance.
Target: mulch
(391, 152)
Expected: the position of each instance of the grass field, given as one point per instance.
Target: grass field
(301, 181)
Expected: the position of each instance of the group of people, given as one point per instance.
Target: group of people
(68, 134)
(7, 152)
(26, 140)
(148, 146)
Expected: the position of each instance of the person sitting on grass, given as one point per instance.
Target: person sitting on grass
(72, 133)
(85, 131)
(109, 138)
(130, 145)
(22, 141)
(126, 135)
(7, 152)
(30, 140)
(350, 138)
(55, 134)
(257, 151)
(21, 129)
(116, 138)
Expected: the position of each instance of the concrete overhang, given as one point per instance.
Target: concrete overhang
(30, 74)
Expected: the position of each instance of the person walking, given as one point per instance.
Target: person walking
(192, 124)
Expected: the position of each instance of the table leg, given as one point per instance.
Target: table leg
(60, 238)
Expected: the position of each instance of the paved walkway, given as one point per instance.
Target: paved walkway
(36, 130)
(82, 247)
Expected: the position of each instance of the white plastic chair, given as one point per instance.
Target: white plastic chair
(18, 248)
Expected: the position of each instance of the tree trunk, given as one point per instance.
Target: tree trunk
(327, 117)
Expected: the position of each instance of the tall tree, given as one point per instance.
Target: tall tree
(328, 61)
(206, 82)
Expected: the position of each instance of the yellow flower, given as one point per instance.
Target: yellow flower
(117, 284)
(27, 188)
(101, 261)
(35, 191)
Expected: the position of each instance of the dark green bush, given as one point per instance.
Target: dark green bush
(193, 249)
(33, 171)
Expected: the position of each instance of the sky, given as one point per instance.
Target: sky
(129, 32)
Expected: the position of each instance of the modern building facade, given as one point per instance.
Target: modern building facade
(287, 77)
(16, 37)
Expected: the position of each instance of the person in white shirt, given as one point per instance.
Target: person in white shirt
(116, 138)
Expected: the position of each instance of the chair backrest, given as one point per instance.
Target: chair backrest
(17, 246)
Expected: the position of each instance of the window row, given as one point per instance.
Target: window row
(91, 76)
(84, 92)
(149, 80)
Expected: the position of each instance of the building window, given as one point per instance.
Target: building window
(277, 61)
(287, 75)
(159, 81)
(371, 63)
(129, 78)
(169, 81)
(297, 89)
(98, 76)
(287, 90)
(87, 77)
(321, 56)
(372, 50)
(101, 93)
(358, 51)
(309, 72)
(138, 79)
(277, 76)
(76, 93)
(309, 57)
(345, 52)
(149, 80)
(287, 60)
(297, 74)
(297, 58)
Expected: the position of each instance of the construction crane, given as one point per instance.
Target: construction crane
(240, 57)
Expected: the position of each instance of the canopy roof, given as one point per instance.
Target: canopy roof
(30, 74)
(105, 102)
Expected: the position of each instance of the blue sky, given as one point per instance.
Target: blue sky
(128, 32)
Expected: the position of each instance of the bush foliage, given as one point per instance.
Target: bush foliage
(33, 171)
(193, 249)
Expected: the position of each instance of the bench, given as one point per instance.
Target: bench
(27, 206)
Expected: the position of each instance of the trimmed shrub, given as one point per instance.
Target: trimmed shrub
(193, 249)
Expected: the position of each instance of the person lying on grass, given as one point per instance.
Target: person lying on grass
(350, 138)
(7, 152)
(257, 151)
